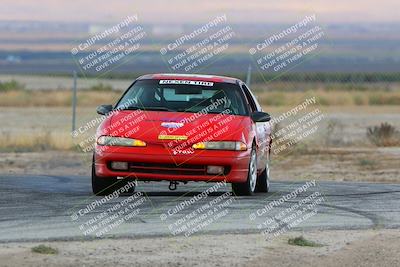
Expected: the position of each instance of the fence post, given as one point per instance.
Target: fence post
(74, 102)
(248, 78)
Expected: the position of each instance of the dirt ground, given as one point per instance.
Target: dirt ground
(340, 164)
(340, 248)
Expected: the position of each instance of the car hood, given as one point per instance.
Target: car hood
(176, 128)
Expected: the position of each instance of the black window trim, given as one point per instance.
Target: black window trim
(239, 84)
(126, 91)
(250, 96)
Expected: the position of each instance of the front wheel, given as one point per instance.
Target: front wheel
(102, 186)
(247, 188)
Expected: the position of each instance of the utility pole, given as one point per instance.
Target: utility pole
(74, 102)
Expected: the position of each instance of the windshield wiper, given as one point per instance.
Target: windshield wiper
(216, 112)
(148, 108)
(186, 110)
(158, 108)
(189, 110)
(130, 108)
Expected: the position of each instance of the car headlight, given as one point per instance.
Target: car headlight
(221, 145)
(105, 140)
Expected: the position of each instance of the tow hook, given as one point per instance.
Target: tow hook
(172, 185)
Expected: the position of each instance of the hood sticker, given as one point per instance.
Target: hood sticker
(172, 137)
(173, 125)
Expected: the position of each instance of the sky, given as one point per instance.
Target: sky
(189, 11)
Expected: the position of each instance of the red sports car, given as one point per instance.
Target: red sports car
(180, 128)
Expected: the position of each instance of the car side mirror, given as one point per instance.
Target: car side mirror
(104, 109)
(259, 116)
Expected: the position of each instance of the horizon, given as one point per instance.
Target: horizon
(239, 12)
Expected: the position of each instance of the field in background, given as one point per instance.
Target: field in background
(267, 97)
(49, 128)
(285, 90)
(352, 102)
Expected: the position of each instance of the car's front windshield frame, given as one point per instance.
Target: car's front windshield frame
(239, 94)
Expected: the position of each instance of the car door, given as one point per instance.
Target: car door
(263, 129)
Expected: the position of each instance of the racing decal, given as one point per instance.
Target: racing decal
(183, 152)
(172, 137)
(188, 75)
(202, 83)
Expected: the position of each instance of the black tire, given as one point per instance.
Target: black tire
(247, 188)
(263, 180)
(102, 186)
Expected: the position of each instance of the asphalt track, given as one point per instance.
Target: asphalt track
(43, 207)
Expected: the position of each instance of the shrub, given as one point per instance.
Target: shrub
(323, 101)
(383, 135)
(334, 133)
(11, 85)
(301, 241)
(43, 249)
(367, 163)
(384, 99)
(359, 100)
(101, 87)
(275, 99)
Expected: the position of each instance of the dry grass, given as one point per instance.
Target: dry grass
(36, 141)
(59, 98)
(43, 249)
(330, 98)
(275, 94)
(94, 98)
(339, 164)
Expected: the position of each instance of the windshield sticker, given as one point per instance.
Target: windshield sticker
(202, 83)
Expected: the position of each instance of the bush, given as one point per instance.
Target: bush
(384, 100)
(334, 133)
(359, 100)
(11, 85)
(383, 135)
(323, 101)
(367, 163)
(101, 87)
(301, 241)
(43, 249)
(274, 99)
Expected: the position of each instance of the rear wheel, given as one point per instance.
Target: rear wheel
(247, 188)
(263, 180)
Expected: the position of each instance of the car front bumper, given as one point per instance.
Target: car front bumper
(163, 166)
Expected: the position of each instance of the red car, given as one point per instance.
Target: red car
(180, 128)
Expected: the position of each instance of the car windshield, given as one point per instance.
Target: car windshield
(184, 96)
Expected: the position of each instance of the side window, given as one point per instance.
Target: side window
(253, 105)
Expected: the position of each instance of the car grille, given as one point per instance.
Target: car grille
(176, 169)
